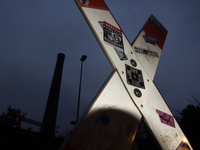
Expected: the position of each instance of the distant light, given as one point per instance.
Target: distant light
(185, 140)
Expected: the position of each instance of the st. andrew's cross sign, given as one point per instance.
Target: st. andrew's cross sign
(129, 95)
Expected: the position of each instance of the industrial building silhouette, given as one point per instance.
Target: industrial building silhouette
(13, 136)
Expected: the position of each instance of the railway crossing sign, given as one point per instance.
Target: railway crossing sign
(129, 94)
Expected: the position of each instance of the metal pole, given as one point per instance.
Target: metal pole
(83, 58)
(79, 93)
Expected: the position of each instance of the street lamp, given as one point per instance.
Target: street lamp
(83, 58)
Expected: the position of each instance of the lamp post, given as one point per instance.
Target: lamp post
(83, 58)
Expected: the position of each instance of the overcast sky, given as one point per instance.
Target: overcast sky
(32, 33)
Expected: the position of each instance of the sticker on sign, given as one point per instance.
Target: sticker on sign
(166, 118)
(112, 36)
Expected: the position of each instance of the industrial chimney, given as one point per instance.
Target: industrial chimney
(49, 120)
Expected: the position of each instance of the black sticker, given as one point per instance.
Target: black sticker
(134, 77)
(146, 52)
(112, 35)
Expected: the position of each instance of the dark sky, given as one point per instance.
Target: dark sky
(32, 33)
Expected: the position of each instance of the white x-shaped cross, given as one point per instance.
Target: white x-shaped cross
(129, 94)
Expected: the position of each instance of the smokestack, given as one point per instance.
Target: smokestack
(49, 120)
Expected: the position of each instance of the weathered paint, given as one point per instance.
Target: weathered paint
(149, 44)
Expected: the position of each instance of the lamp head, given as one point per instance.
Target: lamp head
(83, 58)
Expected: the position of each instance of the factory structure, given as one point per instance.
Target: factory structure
(13, 136)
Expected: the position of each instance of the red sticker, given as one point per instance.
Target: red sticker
(166, 118)
(97, 4)
(155, 33)
(112, 27)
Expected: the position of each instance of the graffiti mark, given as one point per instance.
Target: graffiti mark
(146, 52)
